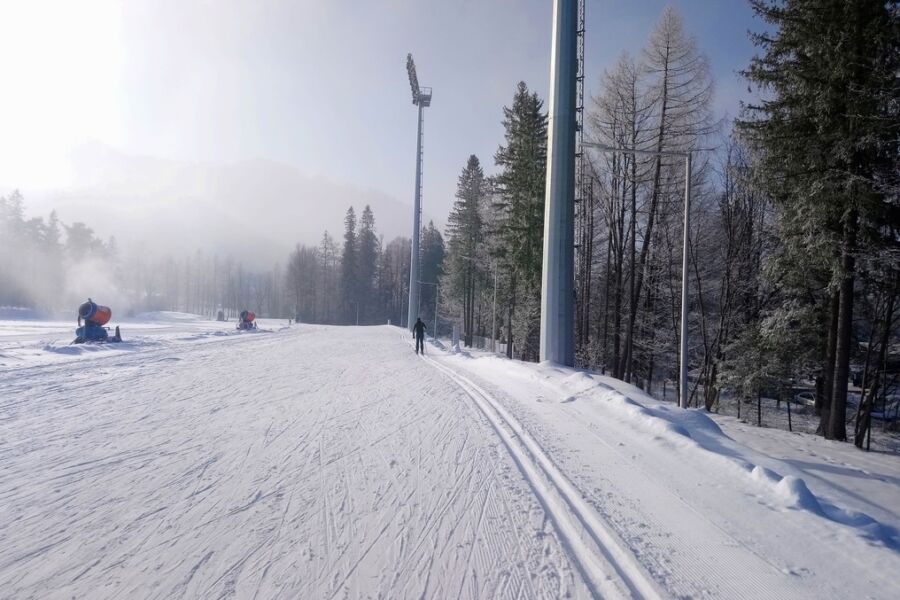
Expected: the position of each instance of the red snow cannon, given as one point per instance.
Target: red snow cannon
(95, 313)
(95, 316)
(247, 320)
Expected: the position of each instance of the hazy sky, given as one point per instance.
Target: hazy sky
(318, 84)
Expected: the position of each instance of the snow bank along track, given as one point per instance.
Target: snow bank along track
(607, 566)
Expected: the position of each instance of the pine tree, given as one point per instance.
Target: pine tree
(52, 251)
(393, 279)
(350, 269)
(368, 248)
(303, 283)
(828, 126)
(12, 212)
(464, 229)
(12, 222)
(432, 265)
(80, 241)
(53, 234)
(328, 297)
(521, 202)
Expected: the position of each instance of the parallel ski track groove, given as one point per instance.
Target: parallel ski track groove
(601, 567)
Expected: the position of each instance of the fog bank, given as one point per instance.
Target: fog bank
(254, 210)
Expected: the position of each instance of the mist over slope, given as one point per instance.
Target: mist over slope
(255, 209)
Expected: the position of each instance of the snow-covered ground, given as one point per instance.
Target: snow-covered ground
(28, 343)
(330, 462)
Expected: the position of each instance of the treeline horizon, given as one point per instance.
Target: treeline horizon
(53, 266)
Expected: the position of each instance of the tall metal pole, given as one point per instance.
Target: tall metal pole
(683, 350)
(417, 213)
(494, 313)
(557, 284)
(683, 390)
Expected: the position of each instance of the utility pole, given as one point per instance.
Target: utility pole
(557, 284)
(685, 249)
(421, 97)
(582, 209)
(683, 355)
(494, 312)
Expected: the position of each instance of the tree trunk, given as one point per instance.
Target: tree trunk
(864, 416)
(605, 333)
(837, 429)
(509, 334)
(645, 247)
(823, 400)
(589, 262)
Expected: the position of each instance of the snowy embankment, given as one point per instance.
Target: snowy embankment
(707, 514)
(326, 462)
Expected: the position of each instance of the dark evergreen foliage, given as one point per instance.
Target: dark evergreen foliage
(828, 129)
(465, 234)
(520, 223)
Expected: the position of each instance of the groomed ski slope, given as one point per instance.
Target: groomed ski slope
(332, 462)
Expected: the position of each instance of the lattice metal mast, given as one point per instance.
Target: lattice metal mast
(581, 205)
(579, 108)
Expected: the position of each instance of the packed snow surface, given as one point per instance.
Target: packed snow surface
(333, 462)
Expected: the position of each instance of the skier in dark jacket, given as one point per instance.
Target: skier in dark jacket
(419, 333)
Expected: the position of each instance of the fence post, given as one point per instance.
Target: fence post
(790, 427)
(759, 409)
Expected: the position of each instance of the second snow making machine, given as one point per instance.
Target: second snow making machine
(247, 320)
(95, 316)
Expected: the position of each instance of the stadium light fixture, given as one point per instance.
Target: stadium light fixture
(421, 97)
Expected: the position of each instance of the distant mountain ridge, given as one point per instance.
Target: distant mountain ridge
(255, 210)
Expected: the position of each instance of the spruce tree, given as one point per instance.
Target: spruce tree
(432, 267)
(328, 300)
(393, 279)
(367, 264)
(464, 228)
(80, 241)
(828, 129)
(523, 162)
(350, 268)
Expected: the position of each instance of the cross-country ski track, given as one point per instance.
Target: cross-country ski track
(333, 462)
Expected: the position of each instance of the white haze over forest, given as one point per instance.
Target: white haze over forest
(254, 210)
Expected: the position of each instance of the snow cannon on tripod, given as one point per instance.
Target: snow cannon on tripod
(247, 320)
(95, 316)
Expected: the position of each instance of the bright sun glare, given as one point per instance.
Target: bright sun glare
(61, 66)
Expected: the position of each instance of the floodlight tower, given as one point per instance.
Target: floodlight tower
(558, 277)
(421, 97)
